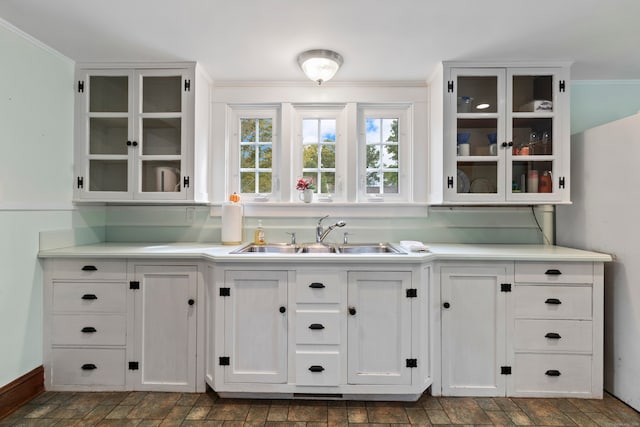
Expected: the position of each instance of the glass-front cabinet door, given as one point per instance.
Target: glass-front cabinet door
(533, 105)
(479, 112)
(502, 135)
(131, 126)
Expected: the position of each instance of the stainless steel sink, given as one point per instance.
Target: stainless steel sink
(319, 248)
(273, 248)
(368, 248)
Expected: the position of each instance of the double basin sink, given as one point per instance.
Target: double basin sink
(320, 248)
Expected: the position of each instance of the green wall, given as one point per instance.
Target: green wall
(36, 130)
(596, 102)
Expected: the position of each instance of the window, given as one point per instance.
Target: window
(322, 154)
(385, 153)
(381, 155)
(256, 155)
(319, 154)
(252, 146)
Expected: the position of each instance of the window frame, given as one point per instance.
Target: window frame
(402, 112)
(233, 166)
(320, 112)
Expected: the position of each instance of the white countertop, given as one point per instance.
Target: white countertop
(220, 253)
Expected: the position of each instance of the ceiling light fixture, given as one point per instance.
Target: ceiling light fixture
(482, 106)
(320, 65)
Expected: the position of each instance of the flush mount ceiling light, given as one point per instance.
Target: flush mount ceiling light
(320, 65)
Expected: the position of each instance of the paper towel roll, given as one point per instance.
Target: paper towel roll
(231, 223)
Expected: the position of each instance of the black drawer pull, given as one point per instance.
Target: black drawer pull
(352, 311)
(89, 367)
(553, 301)
(89, 296)
(89, 268)
(316, 285)
(553, 335)
(282, 309)
(553, 272)
(316, 368)
(553, 373)
(89, 330)
(316, 326)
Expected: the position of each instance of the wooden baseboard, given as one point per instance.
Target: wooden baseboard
(21, 390)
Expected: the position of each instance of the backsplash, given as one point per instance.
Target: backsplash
(508, 225)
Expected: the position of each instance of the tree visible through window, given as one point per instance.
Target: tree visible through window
(256, 155)
(319, 153)
(382, 155)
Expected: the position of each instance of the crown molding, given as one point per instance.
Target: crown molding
(34, 41)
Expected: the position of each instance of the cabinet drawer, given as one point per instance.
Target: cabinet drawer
(108, 329)
(318, 368)
(554, 272)
(317, 327)
(88, 367)
(552, 301)
(89, 297)
(553, 335)
(318, 286)
(553, 373)
(93, 269)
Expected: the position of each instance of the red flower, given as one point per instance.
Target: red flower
(305, 184)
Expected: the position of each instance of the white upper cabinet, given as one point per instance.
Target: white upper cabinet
(499, 134)
(141, 133)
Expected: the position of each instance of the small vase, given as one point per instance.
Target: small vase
(306, 195)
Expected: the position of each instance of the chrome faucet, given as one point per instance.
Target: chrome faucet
(321, 233)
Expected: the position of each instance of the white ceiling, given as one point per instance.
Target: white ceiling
(380, 40)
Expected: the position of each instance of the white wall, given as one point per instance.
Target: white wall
(36, 129)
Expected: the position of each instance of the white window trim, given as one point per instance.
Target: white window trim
(403, 112)
(322, 111)
(233, 172)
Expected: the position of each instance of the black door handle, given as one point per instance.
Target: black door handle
(316, 368)
(553, 373)
(191, 301)
(89, 296)
(89, 367)
(446, 305)
(89, 268)
(553, 301)
(283, 309)
(553, 272)
(316, 326)
(352, 311)
(89, 330)
(316, 285)
(553, 335)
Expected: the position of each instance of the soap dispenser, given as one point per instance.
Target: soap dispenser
(258, 235)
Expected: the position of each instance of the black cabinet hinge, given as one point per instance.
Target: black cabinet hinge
(134, 366)
(450, 86)
(412, 363)
(449, 182)
(187, 85)
(224, 361)
(185, 182)
(134, 284)
(80, 86)
(505, 370)
(505, 287)
(561, 182)
(225, 292)
(80, 182)
(412, 293)
(562, 85)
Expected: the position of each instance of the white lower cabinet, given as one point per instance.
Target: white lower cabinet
(317, 330)
(254, 326)
(165, 327)
(473, 329)
(121, 325)
(379, 327)
(522, 329)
